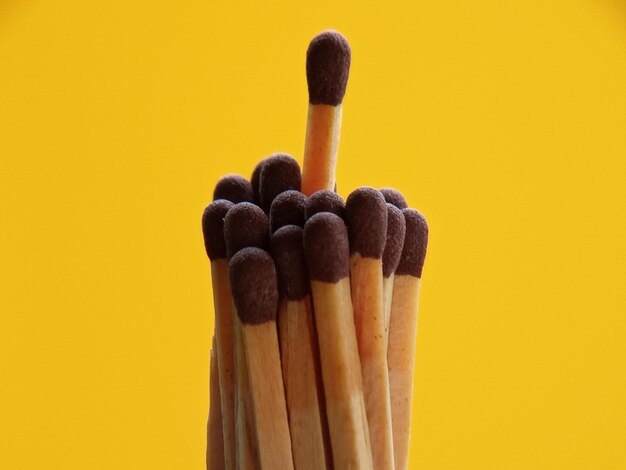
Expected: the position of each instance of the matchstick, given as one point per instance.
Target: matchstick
(233, 188)
(245, 225)
(255, 293)
(395, 197)
(215, 432)
(213, 230)
(327, 69)
(396, 229)
(327, 256)
(324, 201)
(287, 209)
(280, 172)
(402, 331)
(299, 351)
(366, 217)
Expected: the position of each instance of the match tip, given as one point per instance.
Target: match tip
(245, 225)
(327, 68)
(396, 230)
(233, 188)
(255, 179)
(279, 173)
(415, 243)
(253, 285)
(213, 228)
(325, 201)
(326, 248)
(288, 252)
(395, 197)
(287, 209)
(366, 217)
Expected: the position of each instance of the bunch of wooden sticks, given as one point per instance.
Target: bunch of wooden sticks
(315, 304)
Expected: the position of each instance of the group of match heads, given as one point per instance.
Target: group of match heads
(289, 253)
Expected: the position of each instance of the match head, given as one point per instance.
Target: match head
(252, 277)
(233, 188)
(396, 230)
(325, 201)
(245, 225)
(213, 228)
(415, 243)
(279, 173)
(326, 248)
(327, 68)
(288, 252)
(366, 217)
(287, 209)
(255, 179)
(395, 197)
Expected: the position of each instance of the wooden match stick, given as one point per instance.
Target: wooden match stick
(233, 188)
(402, 331)
(327, 255)
(366, 217)
(245, 225)
(255, 293)
(299, 351)
(396, 229)
(287, 209)
(324, 201)
(327, 69)
(215, 432)
(280, 172)
(395, 197)
(213, 230)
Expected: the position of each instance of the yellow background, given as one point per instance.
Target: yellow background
(504, 122)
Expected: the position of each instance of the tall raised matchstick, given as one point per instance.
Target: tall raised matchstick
(255, 293)
(366, 217)
(402, 331)
(213, 230)
(327, 69)
(327, 256)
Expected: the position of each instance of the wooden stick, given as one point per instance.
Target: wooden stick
(215, 432)
(327, 68)
(212, 226)
(327, 254)
(254, 286)
(366, 216)
(396, 229)
(402, 332)
(299, 352)
(247, 457)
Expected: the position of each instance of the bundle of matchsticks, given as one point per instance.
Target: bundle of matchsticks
(315, 304)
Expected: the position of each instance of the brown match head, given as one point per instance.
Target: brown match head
(288, 252)
(279, 173)
(395, 197)
(415, 243)
(287, 209)
(253, 284)
(366, 217)
(327, 68)
(326, 248)
(325, 201)
(233, 188)
(396, 230)
(255, 179)
(213, 228)
(245, 225)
